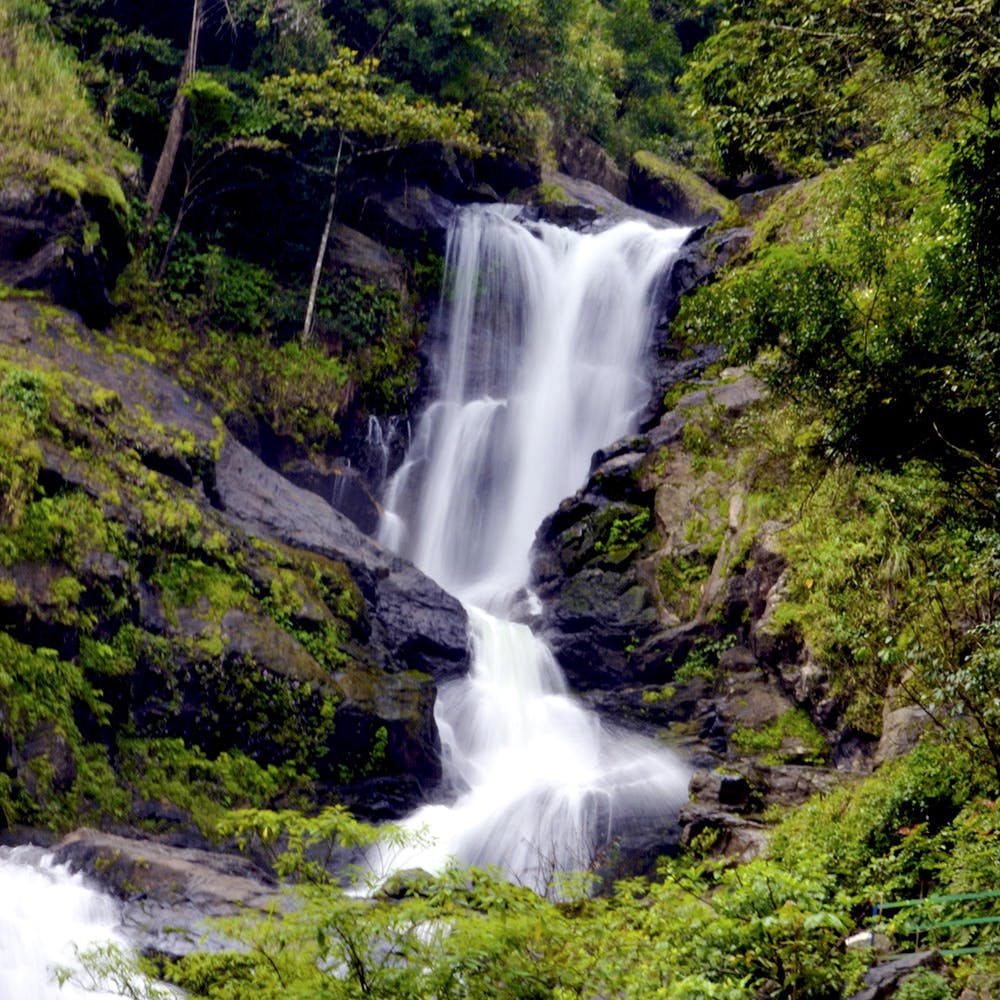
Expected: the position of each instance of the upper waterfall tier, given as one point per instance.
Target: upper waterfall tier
(546, 331)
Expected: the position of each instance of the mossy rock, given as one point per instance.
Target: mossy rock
(667, 188)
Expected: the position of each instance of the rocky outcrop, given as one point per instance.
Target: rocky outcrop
(674, 192)
(362, 256)
(73, 248)
(699, 260)
(583, 158)
(422, 627)
(168, 894)
(343, 487)
(243, 612)
(612, 621)
(882, 981)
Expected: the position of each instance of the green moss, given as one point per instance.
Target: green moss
(168, 770)
(61, 528)
(696, 190)
(793, 736)
(40, 690)
(49, 132)
(680, 579)
(549, 193)
(208, 590)
(620, 535)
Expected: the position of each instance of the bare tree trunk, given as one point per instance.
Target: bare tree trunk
(161, 269)
(321, 253)
(175, 129)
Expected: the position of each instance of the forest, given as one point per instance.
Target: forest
(219, 149)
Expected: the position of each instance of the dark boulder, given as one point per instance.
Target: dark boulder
(673, 191)
(343, 487)
(420, 625)
(883, 981)
(71, 248)
(583, 158)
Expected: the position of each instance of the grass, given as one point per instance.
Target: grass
(50, 133)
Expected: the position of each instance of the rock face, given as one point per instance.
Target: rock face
(583, 158)
(421, 626)
(242, 612)
(72, 249)
(600, 610)
(168, 893)
(673, 191)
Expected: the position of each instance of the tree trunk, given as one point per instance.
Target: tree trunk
(321, 253)
(175, 130)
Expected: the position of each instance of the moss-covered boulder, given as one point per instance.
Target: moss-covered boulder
(62, 204)
(673, 191)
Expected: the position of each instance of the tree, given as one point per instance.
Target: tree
(343, 114)
(294, 18)
(222, 128)
(791, 83)
(175, 128)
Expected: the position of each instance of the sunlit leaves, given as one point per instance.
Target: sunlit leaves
(349, 97)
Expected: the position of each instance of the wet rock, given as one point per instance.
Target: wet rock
(789, 784)
(344, 489)
(657, 706)
(696, 265)
(598, 607)
(728, 399)
(735, 837)
(636, 852)
(584, 205)
(364, 257)
(717, 788)
(410, 218)
(44, 763)
(422, 627)
(751, 700)
(583, 158)
(882, 981)
(168, 893)
(230, 678)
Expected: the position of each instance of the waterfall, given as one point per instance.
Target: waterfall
(48, 914)
(547, 330)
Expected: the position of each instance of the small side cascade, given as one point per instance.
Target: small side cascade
(49, 915)
(547, 332)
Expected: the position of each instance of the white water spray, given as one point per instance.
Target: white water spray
(46, 916)
(547, 330)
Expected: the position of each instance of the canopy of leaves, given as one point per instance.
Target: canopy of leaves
(348, 98)
(883, 316)
(787, 85)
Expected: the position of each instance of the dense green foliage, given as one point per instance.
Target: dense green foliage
(786, 85)
(704, 930)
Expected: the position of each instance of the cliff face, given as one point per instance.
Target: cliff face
(182, 590)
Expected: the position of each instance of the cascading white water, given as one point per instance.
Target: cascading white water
(547, 330)
(47, 914)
